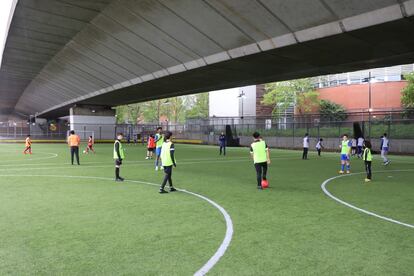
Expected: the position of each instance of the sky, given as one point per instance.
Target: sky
(6, 7)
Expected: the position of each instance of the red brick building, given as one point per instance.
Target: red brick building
(355, 97)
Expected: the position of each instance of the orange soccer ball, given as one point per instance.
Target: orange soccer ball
(265, 184)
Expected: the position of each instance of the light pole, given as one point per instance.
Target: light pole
(242, 96)
(370, 81)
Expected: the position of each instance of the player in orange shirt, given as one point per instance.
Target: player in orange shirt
(150, 146)
(89, 147)
(74, 142)
(28, 145)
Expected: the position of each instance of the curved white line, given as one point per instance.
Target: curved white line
(229, 223)
(52, 155)
(324, 189)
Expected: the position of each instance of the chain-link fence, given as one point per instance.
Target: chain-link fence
(372, 124)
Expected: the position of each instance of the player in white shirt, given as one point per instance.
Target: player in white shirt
(305, 146)
(354, 146)
(385, 144)
(319, 146)
(360, 145)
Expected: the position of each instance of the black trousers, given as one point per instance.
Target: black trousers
(319, 152)
(222, 149)
(261, 171)
(167, 177)
(74, 151)
(368, 169)
(305, 153)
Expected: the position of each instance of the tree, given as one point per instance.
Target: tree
(198, 106)
(155, 109)
(331, 111)
(176, 109)
(407, 95)
(285, 94)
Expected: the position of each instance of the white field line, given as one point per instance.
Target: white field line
(51, 155)
(185, 162)
(229, 223)
(325, 190)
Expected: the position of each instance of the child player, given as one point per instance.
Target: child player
(345, 153)
(119, 155)
(159, 140)
(305, 146)
(385, 143)
(89, 147)
(150, 147)
(168, 161)
(367, 157)
(261, 158)
(28, 145)
(319, 146)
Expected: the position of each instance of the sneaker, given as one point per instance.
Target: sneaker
(386, 163)
(348, 172)
(161, 168)
(119, 179)
(341, 172)
(172, 189)
(162, 191)
(367, 180)
(156, 168)
(260, 187)
(146, 158)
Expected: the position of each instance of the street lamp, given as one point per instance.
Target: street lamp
(242, 96)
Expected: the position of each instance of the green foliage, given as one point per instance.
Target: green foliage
(282, 95)
(331, 111)
(407, 94)
(198, 106)
(176, 109)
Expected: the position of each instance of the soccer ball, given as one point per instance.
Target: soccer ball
(265, 184)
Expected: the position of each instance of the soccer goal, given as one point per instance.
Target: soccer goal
(83, 134)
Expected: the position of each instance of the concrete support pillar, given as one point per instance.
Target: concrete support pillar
(93, 120)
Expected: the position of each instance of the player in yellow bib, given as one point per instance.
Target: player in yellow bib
(367, 157)
(261, 158)
(345, 147)
(119, 155)
(159, 140)
(168, 161)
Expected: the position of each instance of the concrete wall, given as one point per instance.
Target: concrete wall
(86, 119)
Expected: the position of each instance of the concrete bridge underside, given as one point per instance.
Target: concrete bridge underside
(65, 52)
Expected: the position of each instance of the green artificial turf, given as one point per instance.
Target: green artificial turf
(54, 223)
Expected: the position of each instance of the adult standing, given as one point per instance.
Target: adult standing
(305, 146)
(222, 143)
(74, 142)
(360, 144)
